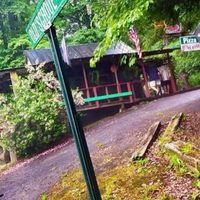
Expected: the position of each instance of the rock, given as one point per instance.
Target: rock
(8, 156)
(13, 157)
(147, 141)
(5, 156)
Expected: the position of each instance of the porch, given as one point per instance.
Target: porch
(102, 96)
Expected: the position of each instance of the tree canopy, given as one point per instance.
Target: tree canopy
(14, 17)
(149, 17)
(118, 17)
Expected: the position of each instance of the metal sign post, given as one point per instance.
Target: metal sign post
(41, 23)
(76, 127)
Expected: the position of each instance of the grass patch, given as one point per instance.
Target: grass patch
(187, 148)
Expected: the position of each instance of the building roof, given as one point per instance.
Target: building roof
(160, 51)
(76, 52)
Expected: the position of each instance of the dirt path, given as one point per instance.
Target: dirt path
(112, 137)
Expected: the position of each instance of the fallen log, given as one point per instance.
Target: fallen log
(148, 140)
(171, 128)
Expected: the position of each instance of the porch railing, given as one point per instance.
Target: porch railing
(110, 94)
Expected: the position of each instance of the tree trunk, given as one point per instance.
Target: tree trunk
(184, 80)
(3, 31)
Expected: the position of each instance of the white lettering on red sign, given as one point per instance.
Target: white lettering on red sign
(190, 47)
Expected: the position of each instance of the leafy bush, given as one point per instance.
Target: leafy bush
(194, 79)
(33, 119)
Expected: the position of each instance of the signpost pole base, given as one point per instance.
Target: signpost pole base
(73, 118)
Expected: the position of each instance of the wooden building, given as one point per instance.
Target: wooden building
(110, 83)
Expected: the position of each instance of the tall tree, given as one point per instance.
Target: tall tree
(13, 19)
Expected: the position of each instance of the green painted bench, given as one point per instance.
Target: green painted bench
(109, 96)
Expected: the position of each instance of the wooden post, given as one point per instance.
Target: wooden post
(107, 93)
(14, 79)
(95, 94)
(86, 81)
(133, 89)
(114, 70)
(147, 91)
(117, 81)
(129, 89)
(173, 79)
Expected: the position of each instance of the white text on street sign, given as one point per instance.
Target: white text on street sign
(45, 13)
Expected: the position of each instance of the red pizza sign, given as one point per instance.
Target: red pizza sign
(173, 29)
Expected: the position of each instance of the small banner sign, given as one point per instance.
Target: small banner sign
(189, 43)
(173, 29)
(44, 15)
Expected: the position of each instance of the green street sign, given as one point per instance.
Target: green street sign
(44, 15)
(188, 39)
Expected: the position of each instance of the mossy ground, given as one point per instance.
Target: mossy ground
(139, 181)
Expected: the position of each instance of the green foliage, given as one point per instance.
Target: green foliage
(187, 148)
(86, 36)
(13, 56)
(196, 172)
(13, 40)
(44, 197)
(176, 163)
(14, 17)
(197, 184)
(117, 18)
(194, 79)
(195, 195)
(74, 16)
(186, 61)
(107, 25)
(31, 120)
(142, 162)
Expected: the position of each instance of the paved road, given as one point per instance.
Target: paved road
(112, 137)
